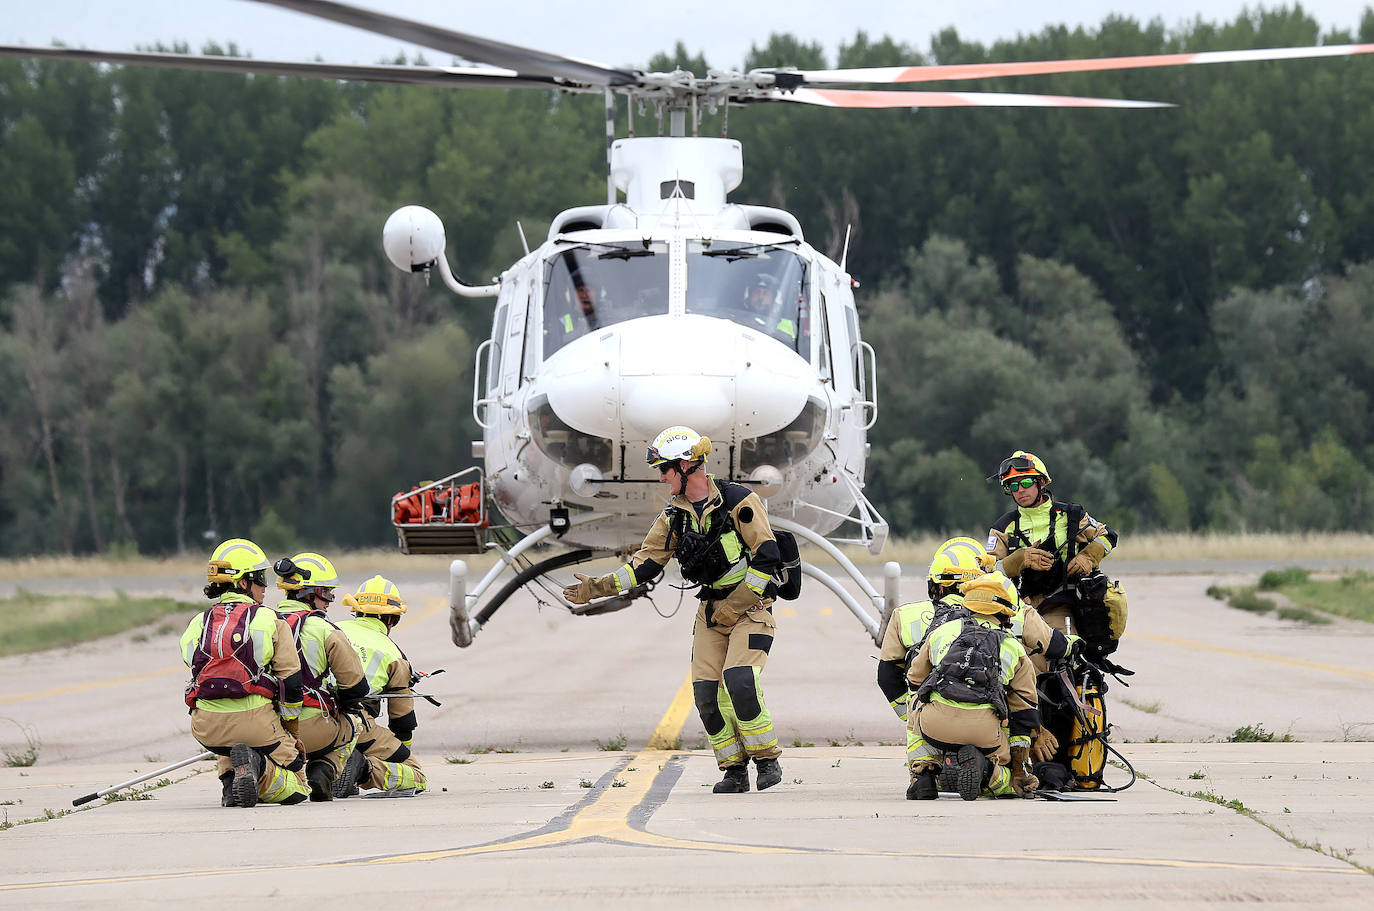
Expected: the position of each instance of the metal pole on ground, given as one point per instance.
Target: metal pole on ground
(133, 781)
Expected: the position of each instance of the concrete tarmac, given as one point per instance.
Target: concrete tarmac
(545, 791)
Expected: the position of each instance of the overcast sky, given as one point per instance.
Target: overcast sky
(619, 32)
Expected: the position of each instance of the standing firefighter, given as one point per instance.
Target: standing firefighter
(1052, 550)
(331, 675)
(720, 535)
(245, 690)
(974, 696)
(377, 607)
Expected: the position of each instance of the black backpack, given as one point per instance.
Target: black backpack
(698, 556)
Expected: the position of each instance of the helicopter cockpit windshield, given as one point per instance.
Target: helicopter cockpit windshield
(592, 286)
(761, 286)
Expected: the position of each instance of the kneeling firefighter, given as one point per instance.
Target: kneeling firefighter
(331, 674)
(245, 691)
(974, 696)
(382, 758)
(1052, 549)
(956, 561)
(720, 535)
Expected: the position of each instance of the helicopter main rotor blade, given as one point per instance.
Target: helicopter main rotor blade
(459, 77)
(845, 98)
(469, 47)
(946, 72)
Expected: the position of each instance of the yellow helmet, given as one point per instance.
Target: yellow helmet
(991, 594)
(678, 443)
(235, 559)
(959, 560)
(377, 595)
(1021, 464)
(307, 570)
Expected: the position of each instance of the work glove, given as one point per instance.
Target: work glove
(1023, 781)
(292, 726)
(1039, 559)
(1080, 565)
(582, 592)
(1044, 746)
(300, 748)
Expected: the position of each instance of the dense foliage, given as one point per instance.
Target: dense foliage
(199, 335)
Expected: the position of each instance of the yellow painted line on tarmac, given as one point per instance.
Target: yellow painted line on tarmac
(669, 729)
(92, 685)
(1337, 669)
(788, 612)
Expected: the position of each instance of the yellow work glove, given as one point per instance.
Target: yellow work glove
(1023, 781)
(1044, 747)
(1039, 559)
(1080, 565)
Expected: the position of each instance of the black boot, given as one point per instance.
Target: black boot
(248, 768)
(320, 774)
(227, 797)
(949, 775)
(736, 781)
(346, 785)
(769, 773)
(974, 769)
(923, 786)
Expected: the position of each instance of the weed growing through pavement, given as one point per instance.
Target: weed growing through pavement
(22, 758)
(613, 744)
(458, 760)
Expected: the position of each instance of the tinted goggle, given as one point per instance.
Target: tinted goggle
(1020, 483)
(1015, 463)
(257, 577)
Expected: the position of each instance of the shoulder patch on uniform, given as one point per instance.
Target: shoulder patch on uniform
(992, 542)
(746, 514)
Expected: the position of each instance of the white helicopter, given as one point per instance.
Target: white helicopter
(673, 305)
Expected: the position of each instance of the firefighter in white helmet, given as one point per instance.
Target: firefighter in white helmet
(720, 535)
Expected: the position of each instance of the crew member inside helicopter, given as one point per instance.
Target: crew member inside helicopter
(761, 300)
(720, 535)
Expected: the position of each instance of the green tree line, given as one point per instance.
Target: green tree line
(199, 334)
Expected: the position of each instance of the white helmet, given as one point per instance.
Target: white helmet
(678, 443)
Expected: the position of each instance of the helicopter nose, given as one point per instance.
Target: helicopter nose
(701, 402)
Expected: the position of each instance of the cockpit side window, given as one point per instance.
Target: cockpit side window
(762, 286)
(588, 287)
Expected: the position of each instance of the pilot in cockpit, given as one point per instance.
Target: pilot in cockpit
(761, 304)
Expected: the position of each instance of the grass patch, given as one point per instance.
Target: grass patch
(34, 622)
(1349, 596)
(143, 793)
(1149, 708)
(1255, 733)
(459, 760)
(1247, 599)
(1275, 579)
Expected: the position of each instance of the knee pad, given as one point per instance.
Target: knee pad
(744, 694)
(401, 755)
(704, 694)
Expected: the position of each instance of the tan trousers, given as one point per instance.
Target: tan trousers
(944, 728)
(726, 664)
(326, 737)
(259, 727)
(379, 745)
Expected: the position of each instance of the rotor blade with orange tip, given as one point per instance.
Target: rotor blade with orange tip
(943, 73)
(844, 98)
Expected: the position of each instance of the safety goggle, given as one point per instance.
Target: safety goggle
(257, 577)
(1019, 463)
(1020, 483)
(666, 467)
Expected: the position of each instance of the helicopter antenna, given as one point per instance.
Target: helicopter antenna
(845, 255)
(610, 139)
(524, 243)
